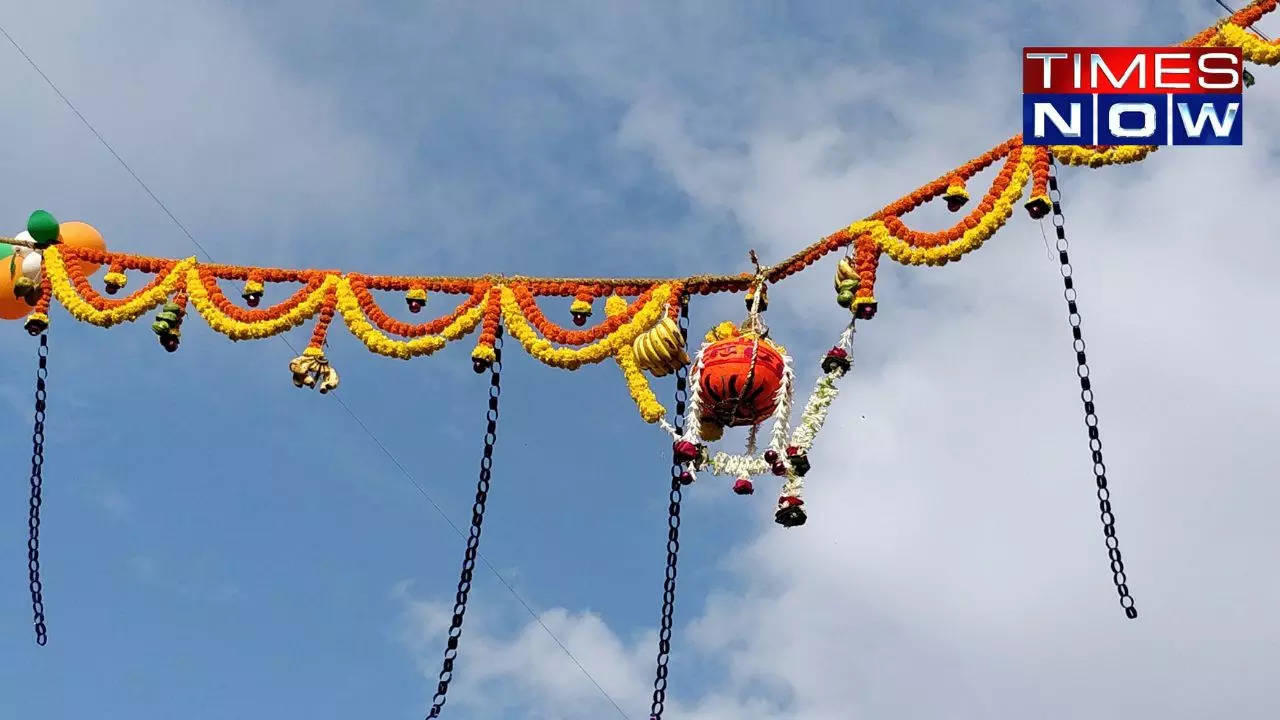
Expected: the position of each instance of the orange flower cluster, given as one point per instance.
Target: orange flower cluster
(360, 286)
(919, 238)
(924, 194)
(46, 295)
(557, 334)
(1244, 18)
(76, 273)
(866, 258)
(484, 353)
(262, 275)
(1039, 204)
(209, 279)
(322, 323)
(114, 259)
(404, 283)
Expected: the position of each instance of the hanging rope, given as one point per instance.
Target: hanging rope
(673, 532)
(37, 482)
(1086, 395)
(473, 539)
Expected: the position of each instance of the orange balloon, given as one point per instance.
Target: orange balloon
(82, 235)
(11, 306)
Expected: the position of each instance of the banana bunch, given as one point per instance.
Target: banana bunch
(847, 281)
(660, 351)
(313, 371)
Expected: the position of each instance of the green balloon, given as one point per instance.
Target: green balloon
(5, 250)
(43, 227)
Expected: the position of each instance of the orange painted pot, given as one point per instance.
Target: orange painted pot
(733, 395)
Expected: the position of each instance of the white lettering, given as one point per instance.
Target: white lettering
(1119, 110)
(1161, 70)
(1047, 111)
(1139, 65)
(1232, 72)
(1221, 126)
(1047, 60)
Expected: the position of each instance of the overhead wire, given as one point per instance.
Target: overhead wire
(404, 471)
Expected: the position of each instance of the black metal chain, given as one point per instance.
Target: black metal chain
(473, 539)
(673, 532)
(37, 482)
(1086, 395)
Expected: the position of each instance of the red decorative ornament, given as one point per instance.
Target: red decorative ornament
(734, 390)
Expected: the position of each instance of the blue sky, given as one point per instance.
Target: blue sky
(218, 544)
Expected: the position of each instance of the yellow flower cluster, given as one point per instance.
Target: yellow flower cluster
(988, 224)
(115, 278)
(239, 330)
(131, 310)
(572, 359)
(637, 384)
(580, 306)
(1252, 47)
(723, 331)
(1117, 155)
(378, 342)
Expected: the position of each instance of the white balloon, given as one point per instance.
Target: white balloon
(31, 266)
(24, 236)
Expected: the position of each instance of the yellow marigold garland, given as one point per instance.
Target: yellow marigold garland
(973, 238)
(134, 308)
(237, 330)
(573, 358)
(1093, 157)
(378, 342)
(1252, 47)
(637, 384)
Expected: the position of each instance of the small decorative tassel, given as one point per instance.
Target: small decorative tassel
(114, 280)
(581, 307)
(253, 290)
(416, 299)
(956, 194)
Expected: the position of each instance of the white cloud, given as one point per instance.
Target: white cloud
(953, 565)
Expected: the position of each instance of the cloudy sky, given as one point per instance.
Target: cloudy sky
(220, 545)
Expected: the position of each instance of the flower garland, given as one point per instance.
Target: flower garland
(117, 312)
(492, 300)
(460, 324)
(358, 286)
(571, 359)
(235, 329)
(637, 384)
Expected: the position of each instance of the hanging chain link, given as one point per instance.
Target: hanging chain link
(1086, 395)
(673, 531)
(473, 539)
(37, 483)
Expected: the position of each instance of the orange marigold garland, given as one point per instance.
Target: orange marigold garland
(312, 369)
(208, 278)
(38, 321)
(483, 356)
(1038, 205)
(525, 297)
(360, 288)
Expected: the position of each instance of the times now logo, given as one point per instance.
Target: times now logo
(1131, 96)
